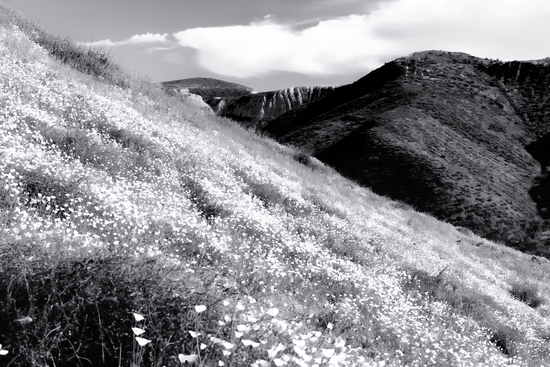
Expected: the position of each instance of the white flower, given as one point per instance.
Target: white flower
(250, 343)
(138, 317)
(24, 320)
(243, 328)
(138, 331)
(273, 311)
(327, 353)
(261, 363)
(187, 358)
(200, 308)
(3, 352)
(193, 334)
(142, 342)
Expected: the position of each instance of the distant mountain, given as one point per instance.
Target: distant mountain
(259, 108)
(207, 88)
(242, 103)
(463, 138)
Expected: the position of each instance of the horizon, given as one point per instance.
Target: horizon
(274, 45)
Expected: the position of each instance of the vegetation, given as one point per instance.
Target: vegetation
(208, 88)
(137, 230)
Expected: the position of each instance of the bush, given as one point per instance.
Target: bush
(527, 293)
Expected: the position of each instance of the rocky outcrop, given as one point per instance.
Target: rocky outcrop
(259, 108)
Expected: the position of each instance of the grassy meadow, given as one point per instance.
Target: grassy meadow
(137, 229)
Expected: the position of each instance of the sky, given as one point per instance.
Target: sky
(273, 44)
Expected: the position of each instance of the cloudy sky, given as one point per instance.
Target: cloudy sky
(271, 44)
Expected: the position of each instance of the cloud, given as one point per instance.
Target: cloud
(245, 51)
(506, 29)
(134, 40)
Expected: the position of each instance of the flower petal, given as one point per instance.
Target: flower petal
(138, 331)
(187, 358)
(138, 317)
(193, 334)
(142, 342)
(200, 308)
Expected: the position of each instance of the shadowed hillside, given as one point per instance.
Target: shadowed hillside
(446, 133)
(138, 230)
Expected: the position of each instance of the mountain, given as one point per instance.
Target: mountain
(456, 136)
(207, 88)
(258, 109)
(241, 103)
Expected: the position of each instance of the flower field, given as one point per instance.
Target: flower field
(137, 229)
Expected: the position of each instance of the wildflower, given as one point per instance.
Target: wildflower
(138, 317)
(261, 363)
(243, 328)
(250, 343)
(142, 342)
(187, 358)
(3, 352)
(221, 363)
(327, 353)
(200, 308)
(193, 334)
(138, 331)
(24, 320)
(273, 311)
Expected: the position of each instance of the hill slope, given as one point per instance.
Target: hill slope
(136, 230)
(207, 88)
(444, 132)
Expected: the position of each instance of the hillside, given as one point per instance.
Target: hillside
(207, 88)
(137, 230)
(447, 133)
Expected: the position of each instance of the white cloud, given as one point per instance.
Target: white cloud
(134, 40)
(506, 29)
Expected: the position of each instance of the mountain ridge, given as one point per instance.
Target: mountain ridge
(444, 132)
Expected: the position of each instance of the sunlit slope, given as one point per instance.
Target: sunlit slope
(234, 248)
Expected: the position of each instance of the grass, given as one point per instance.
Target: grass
(137, 230)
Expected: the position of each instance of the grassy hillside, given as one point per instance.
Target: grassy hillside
(137, 231)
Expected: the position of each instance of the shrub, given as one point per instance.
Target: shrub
(527, 293)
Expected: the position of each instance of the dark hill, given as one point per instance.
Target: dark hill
(456, 136)
(208, 88)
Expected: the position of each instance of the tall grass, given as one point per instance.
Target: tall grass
(136, 229)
